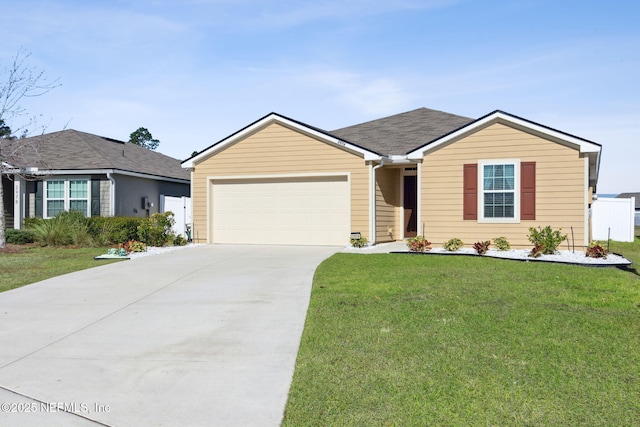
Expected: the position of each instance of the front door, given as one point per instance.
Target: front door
(410, 204)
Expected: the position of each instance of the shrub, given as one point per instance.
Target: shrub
(156, 230)
(52, 232)
(548, 239)
(595, 250)
(20, 237)
(114, 230)
(536, 251)
(30, 222)
(179, 240)
(502, 243)
(134, 246)
(481, 248)
(418, 244)
(359, 243)
(67, 228)
(453, 245)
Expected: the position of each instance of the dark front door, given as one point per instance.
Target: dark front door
(410, 204)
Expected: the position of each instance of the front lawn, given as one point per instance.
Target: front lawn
(22, 265)
(458, 341)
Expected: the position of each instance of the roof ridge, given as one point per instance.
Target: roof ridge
(400, 114)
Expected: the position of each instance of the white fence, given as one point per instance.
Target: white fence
(181, 208)
(615, 216)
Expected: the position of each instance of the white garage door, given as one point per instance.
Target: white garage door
(283, 211)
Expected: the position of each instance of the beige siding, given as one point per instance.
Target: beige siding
(388, 205)
(273, 150)
(560, 186)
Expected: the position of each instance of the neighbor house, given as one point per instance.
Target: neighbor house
(281, 181)
(98, 176)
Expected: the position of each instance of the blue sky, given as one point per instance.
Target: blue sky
(195, 71)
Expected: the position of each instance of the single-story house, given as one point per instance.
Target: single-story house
(72, 170)
(637, 197)
(425, 172)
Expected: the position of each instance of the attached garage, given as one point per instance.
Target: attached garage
(283, 210)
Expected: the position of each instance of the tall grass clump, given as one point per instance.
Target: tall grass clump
(65, 229)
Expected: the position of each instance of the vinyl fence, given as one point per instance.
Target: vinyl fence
(614, 217)
(181, 208)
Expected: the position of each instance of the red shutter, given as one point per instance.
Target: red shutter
(470, 190)
(528, 190)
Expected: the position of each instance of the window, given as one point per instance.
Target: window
(78, 200)
(499, 191)
(66, 195)
(55, 197)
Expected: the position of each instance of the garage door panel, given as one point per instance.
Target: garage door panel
(304, 210)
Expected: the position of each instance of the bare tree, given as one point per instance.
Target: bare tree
(18, 81)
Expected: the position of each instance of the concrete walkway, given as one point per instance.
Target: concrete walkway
(205, 336)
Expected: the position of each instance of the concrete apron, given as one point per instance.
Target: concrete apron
(204, 336)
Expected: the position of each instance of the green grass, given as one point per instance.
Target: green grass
(411, 340)
(32, 264)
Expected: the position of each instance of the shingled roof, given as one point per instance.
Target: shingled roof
(401, 133)
(74, 150)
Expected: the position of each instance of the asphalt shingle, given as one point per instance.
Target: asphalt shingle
(74, 150)
(401, 133)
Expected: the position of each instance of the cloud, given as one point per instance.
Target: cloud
(368, 95)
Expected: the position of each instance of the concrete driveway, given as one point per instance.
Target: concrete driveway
(204, 336)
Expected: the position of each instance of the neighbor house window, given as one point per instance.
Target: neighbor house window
(55, 197)
(66, 195)
(499, 191)
(78, 196)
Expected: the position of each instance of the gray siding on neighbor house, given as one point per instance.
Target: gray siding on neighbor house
(130, 192)
(105, 199)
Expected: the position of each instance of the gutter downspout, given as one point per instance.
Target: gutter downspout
(372, 232)
(112, 194)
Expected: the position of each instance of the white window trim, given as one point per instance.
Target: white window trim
(67, 194)
(516, 191)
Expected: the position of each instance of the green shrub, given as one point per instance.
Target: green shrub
(453, 245)
(114, 230)
(178, 240)
(52, 232)
(29, 223)
(359, 243)
(134, 246)
(418, 244)
(502, 243)
(547, 239)
(20, 237)
(66, 228)
(481, 248)
(156, 230)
